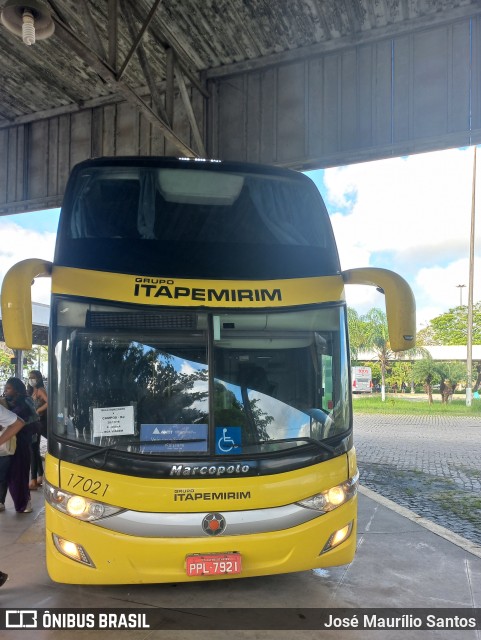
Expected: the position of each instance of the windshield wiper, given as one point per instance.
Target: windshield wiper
(318, 443)
(128, 443)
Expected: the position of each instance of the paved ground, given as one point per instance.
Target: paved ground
(429, 464)
(399, 564)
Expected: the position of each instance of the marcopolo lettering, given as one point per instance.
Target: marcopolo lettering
(166, 289)
(209, 470)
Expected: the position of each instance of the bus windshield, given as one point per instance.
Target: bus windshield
(173, 383)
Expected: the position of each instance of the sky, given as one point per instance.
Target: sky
(411, 215)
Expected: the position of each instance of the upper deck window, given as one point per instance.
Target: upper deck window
(204, 206)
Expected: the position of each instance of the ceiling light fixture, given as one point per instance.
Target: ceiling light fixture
(29, 19)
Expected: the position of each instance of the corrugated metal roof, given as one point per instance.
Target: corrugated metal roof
(205, 34)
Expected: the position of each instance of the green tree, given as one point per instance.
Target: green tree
(357, 334)
(452, 373)
(376, 339)
(477, 384)
(448, 374)
(407, 359)
(401, 372)
(426, 371)
(6, 367)
(451, 328)
(36, 356)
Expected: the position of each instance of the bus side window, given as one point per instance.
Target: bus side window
(108, 209)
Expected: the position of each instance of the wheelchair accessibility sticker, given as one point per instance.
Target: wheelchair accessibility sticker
(228, 440)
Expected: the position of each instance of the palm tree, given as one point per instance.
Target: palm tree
(376, 339)
(357, 334)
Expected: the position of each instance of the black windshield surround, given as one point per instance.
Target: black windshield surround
(118, 216)
(200, 389)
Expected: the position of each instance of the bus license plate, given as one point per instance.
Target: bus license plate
(213, 564)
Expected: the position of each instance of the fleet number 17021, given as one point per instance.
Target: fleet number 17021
(87, 485)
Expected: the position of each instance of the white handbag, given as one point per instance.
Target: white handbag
(8, 448)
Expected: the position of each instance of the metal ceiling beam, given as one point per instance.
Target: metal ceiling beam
(171, 65)
(169, 85)
(189, 110)
(166, 41)
(138, 39)
(113, 31)
(109, 77)
(146, 67)
(54, 112)
(92, 32)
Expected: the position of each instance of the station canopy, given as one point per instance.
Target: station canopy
(300, 83)
(93, 49)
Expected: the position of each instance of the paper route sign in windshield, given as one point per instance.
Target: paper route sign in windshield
(174, 438)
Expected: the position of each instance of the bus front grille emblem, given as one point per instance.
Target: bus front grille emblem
(213, 524)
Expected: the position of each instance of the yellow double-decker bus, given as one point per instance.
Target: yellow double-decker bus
(200, 422)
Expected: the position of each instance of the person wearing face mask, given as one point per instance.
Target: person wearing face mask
(36, 390)
(19, 403)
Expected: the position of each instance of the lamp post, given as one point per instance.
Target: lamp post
(469, 359)
(460, 287)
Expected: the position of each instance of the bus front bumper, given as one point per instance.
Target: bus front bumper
(118, 558)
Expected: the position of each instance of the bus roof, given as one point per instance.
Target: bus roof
(202, 164)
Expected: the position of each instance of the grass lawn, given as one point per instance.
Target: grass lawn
(406, 404)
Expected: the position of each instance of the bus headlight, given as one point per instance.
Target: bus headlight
(77, 506)
(333, 497)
